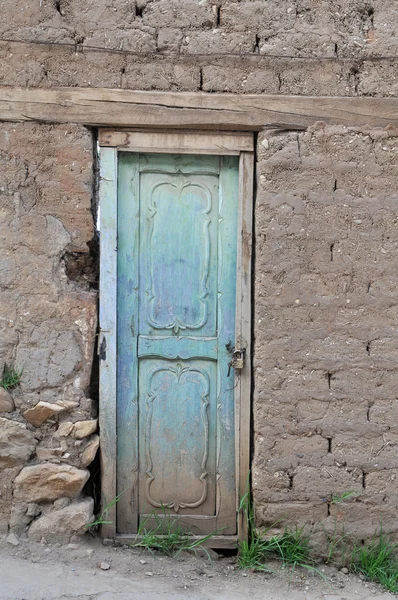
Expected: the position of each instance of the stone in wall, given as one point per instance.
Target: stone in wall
(51, 454)
(43, 410)
(6, 402)
(22, 515)
(64, 429)
(59, 525)
(48, 313)
(90, 451)
(7, 478)
(83, 429)
(17, 444)
(47, 482)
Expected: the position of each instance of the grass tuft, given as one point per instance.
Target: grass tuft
(163, 533)
(252, 554)
(340, 498)
(103, 517)
(11, 377)
(339, 545)
(251, 551)
(377, 561)
(292, 547)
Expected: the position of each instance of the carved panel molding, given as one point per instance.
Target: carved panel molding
(180, 374)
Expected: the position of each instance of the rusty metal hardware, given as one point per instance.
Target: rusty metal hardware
(237, 361)
(102, 349)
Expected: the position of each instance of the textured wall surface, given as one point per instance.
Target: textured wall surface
(326, 328)
(47, 319)
(324, 47)
(326, 240)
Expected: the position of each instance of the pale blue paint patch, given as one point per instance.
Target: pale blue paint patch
(177, 237)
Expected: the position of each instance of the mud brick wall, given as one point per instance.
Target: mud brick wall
(326, 323)
(325, 246)
(47, 328)
(245, 46)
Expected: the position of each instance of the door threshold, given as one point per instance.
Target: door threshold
(218, 542)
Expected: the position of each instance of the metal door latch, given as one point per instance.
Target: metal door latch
(237, 361)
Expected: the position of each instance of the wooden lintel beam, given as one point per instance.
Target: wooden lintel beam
(190, 110)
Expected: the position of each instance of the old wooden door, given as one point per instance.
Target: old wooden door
(177, 233)
(173, 240)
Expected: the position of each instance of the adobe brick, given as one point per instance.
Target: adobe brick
(160, 74)
(169, 39)
(213, 41)
(311, 483)
(266, 17)
(177, 14)
(362, 520)
(255, 78)
(279, 514)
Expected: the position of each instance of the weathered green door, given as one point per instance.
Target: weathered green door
(176, 291)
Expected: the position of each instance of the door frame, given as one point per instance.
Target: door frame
(111, 142)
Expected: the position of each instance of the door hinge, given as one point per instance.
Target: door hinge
(102, 349)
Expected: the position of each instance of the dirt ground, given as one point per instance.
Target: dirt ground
(38, 571)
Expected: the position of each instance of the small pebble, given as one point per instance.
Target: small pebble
(149, 574)
(107, 542)
(105, 566)
(344, 570)
(143, 562)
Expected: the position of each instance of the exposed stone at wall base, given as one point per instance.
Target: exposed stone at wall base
(22, 514)
(47, 323)
(90, 451)
(41, 483)
(7, 478)
(60, 525)
(43, 410)
(17, 444)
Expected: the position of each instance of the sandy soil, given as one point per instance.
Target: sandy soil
(33, 571)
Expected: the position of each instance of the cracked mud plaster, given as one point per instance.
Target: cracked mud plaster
(325, 354)
(47, 320)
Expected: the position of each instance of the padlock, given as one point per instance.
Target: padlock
(237, 360)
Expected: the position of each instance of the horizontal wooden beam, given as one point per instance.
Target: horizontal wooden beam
(186, 142)
(190, 110)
